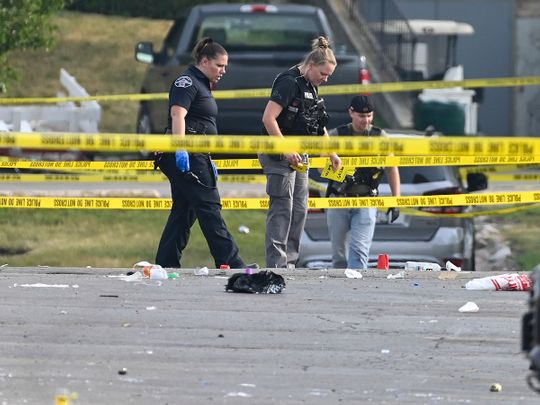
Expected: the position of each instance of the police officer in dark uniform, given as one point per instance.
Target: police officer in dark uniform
(193, 176)
(294, 108)
(364, 182)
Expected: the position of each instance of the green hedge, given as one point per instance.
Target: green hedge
(166, 9)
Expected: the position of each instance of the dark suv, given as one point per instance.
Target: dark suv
(262, 40)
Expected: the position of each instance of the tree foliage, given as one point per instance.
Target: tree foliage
(25, 24)
(165, 9)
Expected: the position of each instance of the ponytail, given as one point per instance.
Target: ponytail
(206, 47)
(321, 53)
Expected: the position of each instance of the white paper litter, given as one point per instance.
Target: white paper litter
(203, 271)
(401, 274)
(350, 273)
(469, 307)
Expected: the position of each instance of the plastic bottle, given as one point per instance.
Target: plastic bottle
(483, 283)
(422, 266)
(158, 273)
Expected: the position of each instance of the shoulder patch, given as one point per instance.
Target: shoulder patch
(183, 81)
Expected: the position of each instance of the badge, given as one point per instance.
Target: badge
(183, 81)
(308, 95)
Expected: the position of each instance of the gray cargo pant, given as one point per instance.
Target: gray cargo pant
(288, 192)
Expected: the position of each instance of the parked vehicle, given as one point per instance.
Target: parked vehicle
(262, 41)
(410, 238)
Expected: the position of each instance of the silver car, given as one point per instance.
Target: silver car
(410, 238)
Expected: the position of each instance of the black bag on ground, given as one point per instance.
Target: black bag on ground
(263, 282)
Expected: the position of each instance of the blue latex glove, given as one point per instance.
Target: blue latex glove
(182, 161)
(215, 170)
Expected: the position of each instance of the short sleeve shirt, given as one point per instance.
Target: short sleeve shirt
(284, 88)
(192, 91)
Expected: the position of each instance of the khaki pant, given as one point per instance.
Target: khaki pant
(288, 192)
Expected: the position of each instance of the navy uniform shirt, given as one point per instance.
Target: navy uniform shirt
(192, 91)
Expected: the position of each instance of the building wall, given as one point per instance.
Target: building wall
(527, 56)
(487, 53)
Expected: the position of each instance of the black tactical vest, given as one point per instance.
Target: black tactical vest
(304, 116)
(365, 180)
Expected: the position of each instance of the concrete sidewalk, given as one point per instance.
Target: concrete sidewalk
(326, 339)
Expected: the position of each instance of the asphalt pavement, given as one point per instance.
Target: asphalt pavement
(326, 339)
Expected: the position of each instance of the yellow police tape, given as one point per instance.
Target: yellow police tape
(487, 148)
(507, 163)
(154, 177)
(514, 177)
(471, 214)
(151, 177)
(503, 198)
(495, 169)
(335, 89)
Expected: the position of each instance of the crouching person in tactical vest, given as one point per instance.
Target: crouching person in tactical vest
(294, 108)
(359, 222)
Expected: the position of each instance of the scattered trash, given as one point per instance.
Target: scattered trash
(108, 295)
(401, 274)
(224, 267)
(152, 308)
(385, 351)
(4, 265)
(506, 282)
(64, 397)
(243, 229)
(249, 270)
(265, 282)
(238, 394)
(469, 307)
(220, 335)
(41, 285)
(416, 284)
(495, 387)
(350, 273)
(382, 262)
(203, 271)
(134, 276)
(122, 371)
(422, 266)
(151, 271)
(452, 267)
(173, 275)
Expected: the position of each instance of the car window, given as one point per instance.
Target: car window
(260, 31)
(170, 43)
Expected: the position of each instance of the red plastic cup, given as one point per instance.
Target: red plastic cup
(383, 262)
